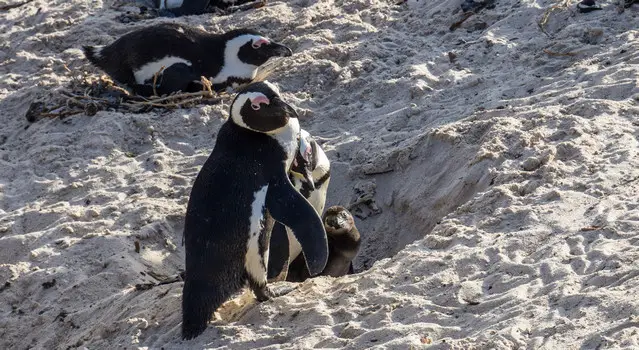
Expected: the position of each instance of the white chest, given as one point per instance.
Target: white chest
(254, 262)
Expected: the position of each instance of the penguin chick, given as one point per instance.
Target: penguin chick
(241, 190)
(177, 55)
(343, 245)
(343, 241)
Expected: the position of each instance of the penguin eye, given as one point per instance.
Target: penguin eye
(255, 107)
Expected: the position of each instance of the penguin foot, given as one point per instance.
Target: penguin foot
(262, 293)
(166, 13)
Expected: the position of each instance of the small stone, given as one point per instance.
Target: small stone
(92, 213)
(470, 292)
(531, 164)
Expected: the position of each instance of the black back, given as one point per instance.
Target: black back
(217, 223)
(196, 7)
(242, 162)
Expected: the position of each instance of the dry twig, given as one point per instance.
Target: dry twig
(13, 6)
(155, 79)
(544, 18)
(87, 95)
(458, 24)
(561, 54)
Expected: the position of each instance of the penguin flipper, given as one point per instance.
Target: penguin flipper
(290, 208)
(278, 251)
(177, 77)
(143, 90)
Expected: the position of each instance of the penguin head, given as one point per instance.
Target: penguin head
(258, 107)
(337, 221)
(305, 160)
(252, 48)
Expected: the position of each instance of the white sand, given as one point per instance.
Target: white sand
(514, 172)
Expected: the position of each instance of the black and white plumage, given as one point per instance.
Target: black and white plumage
(241, 190)
(173, 8)
(310, 174)
(186, 53)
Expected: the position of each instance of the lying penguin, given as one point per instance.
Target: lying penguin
(174, 8)
(310, 175)
(179, 55)
(242, 188)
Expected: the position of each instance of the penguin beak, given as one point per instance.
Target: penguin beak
(308, 177)
(302, 163)
(278, 50)
(287, 109)
(305, 151)
(302, 171)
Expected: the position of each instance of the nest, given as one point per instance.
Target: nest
(88, 94)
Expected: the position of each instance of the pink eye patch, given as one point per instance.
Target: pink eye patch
(256, 101)
(259, 42)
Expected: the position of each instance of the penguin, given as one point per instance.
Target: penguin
(310, 174)
(175, 8)
(343, 245)
(586, 6)
(242, 189)
(179, 55)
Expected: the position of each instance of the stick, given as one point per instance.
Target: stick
(552, 53)
(155, 79)
(544, 19)
(9, 7)
(251, 5)
(457, 24)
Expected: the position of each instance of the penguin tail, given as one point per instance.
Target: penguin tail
(93, 53)
(199, 300)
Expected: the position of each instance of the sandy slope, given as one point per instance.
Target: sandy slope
(514, 169)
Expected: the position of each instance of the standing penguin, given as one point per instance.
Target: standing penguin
(310, 174)
(180, 55)
(242, 188)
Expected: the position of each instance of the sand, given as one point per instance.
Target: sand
(497, 167)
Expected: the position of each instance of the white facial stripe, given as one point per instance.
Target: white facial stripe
(233, 67)
(253, 262)
(148, 70)
(272, 86)
(239, 102)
